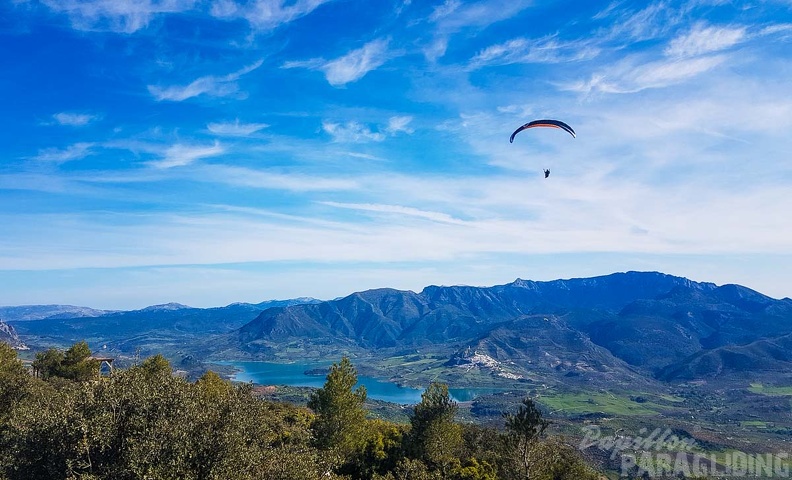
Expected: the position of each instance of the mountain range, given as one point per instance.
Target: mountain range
(625, 327)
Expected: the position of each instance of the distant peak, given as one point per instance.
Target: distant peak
(165, 306)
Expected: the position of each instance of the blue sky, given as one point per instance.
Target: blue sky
(214, 151)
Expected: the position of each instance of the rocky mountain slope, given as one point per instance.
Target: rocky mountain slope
(9, 336)
(635, 321)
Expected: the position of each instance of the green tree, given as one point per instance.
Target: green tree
(552, 459)
(340, 423)
(522, 430)
(434, 436)
(155, 367)
(213, 387)
(14, 380)
(73, 364)
(77, 364)
(411, 469)
(146, 423)
(382, 451)
(48, 363)
(475, 470)
(485, 445)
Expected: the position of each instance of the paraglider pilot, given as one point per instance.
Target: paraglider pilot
(547, 173)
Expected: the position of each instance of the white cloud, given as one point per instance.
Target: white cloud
(351, 67)
(778, 28)
(355, 132)
(445, 9)
(400, 8)
(543, 50)
(235, 128)
(629, 78)
(179, 155)
(265, 14)
(311, 64)
(122, 16)
(661, 74)
(399, 124)
(215, 86)
(454, 15)
(271, 180)
(705, 39)
(436, 49)
(351, 132)
(74, 119)
(365, 156)
(399, 210)
(357, 63)
(654, 21)
(603, 14)
(58, 156)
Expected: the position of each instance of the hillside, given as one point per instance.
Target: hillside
(9, 336)
(613, 329)
(648, 320)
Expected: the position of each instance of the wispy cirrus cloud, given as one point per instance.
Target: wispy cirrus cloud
(351, 132)
(351, 67)
(235, 128)
(630, 78)
(74, 119)
(436, 49)
(653, 21)
(180, 155)
(274, 180)
(453, 15)
(355, 132)
(543, 50)
(72, 152)
(399, 210)
(703, 39)
(784, 28)
(212, 85)
(365, 156)
(444, 10)
(399, 123)
(121, 16)
(265, 14)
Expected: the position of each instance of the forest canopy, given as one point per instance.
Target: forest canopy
(70, 422)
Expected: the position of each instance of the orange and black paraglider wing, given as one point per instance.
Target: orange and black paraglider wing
(544, 123)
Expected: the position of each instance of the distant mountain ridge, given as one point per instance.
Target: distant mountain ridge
(624, 327)
(23, 313)
(157, 324)
(387, 317)
(644, 320)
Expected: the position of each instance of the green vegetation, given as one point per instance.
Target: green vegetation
(607, 403)
(340, 422)
(73, 364)
(144, 422)
(753, 423)
(774, 391)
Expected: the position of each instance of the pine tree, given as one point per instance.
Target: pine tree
(523, 429)
(340, 424)
(434, 437)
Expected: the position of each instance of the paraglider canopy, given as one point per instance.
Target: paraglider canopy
(544, 123)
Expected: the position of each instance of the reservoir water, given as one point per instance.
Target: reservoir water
(293, 374)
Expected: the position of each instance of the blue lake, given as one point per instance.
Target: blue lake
(293, 374)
